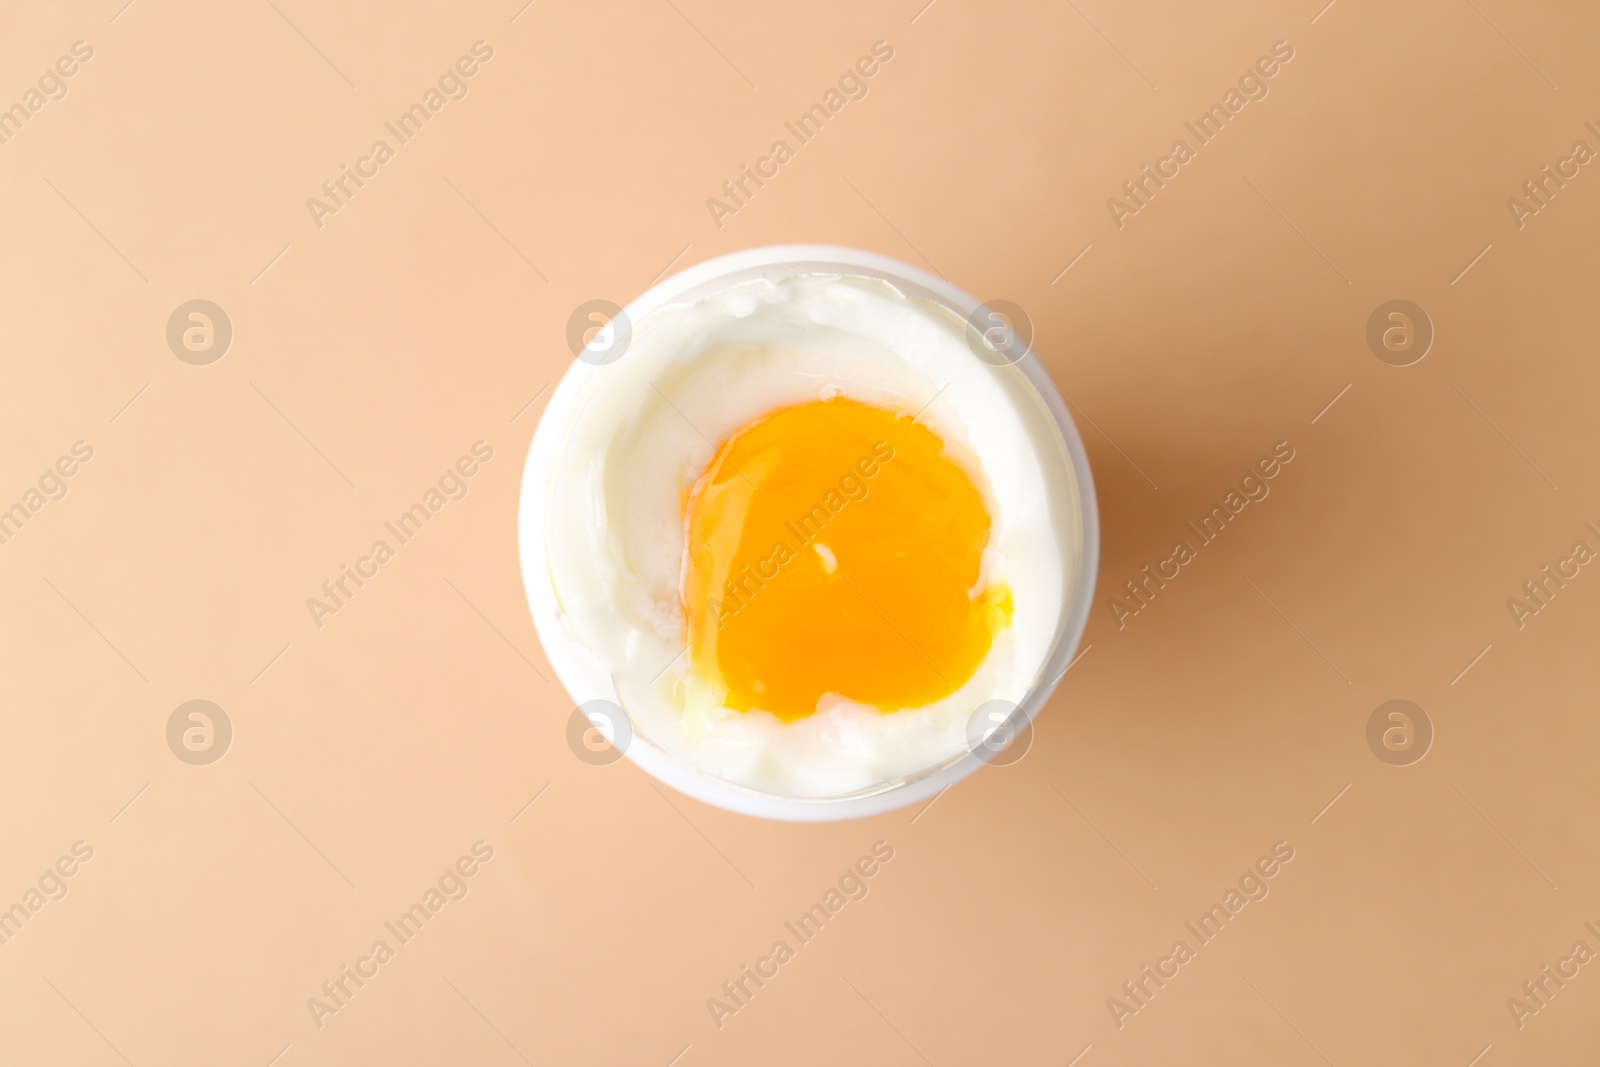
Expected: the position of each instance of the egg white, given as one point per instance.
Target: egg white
(648, 427)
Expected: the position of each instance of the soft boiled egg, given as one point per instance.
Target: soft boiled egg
(806, 532)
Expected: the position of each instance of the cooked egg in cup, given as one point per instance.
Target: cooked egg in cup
(806, 515)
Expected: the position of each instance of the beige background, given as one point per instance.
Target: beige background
(428, 313)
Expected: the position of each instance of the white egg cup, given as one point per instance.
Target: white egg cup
(586, 680)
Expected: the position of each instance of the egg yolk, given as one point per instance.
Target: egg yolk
(834, 547)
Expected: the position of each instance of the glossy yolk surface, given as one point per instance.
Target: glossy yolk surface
(833, 547)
